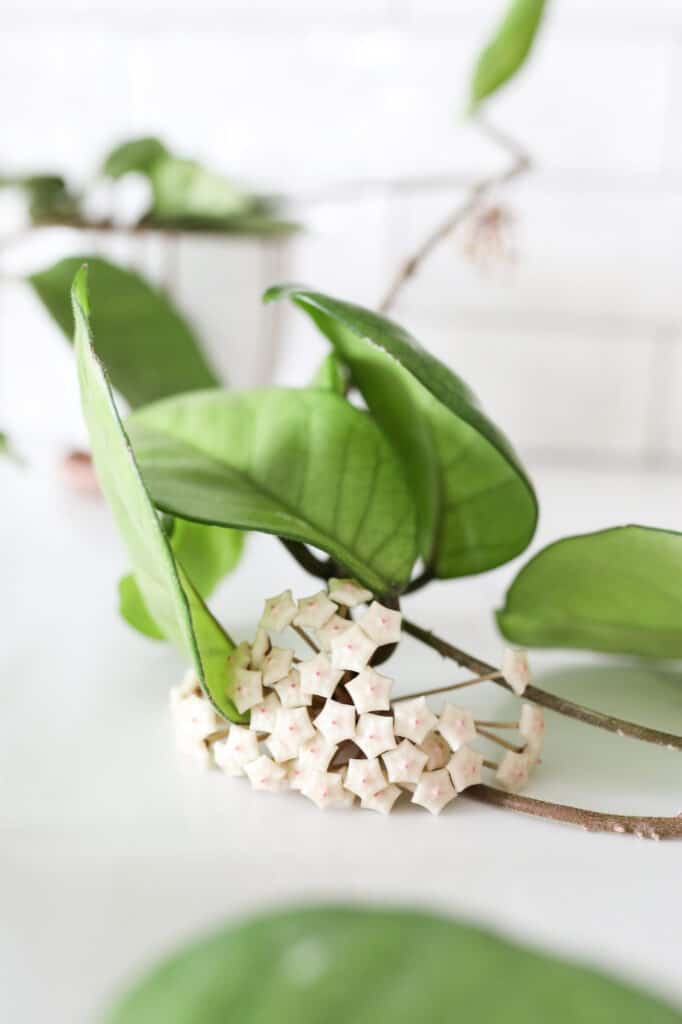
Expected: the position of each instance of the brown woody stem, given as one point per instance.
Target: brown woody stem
(591, 821)
(588, 716)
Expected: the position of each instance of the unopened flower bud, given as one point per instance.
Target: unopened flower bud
(515, 668)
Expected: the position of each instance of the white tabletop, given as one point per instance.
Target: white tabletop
(113, 851)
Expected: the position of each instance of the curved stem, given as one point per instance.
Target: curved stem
(591, 821)
(305, 558)
(520, 163)
(548, 700)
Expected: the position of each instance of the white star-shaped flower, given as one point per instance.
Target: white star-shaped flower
(374, 734)
(382, 801)
(240, 657)
(290, 692)
(515, 668)
(406, 763)
(370, 691)
(263, 715)
(279, 612)
(352, 649)
(332, 628)
(465, 768)
(248, 689)
(348, 592)
(239, 748)
(280, 750)
(532, 722)
(317, 753)
(277, 665)
(336, 721)
(297, 773)
(513, 771)
(413, 719)
(434, 791)
(381, 624)
(456, 725)
(324, 788)
(292, 728)
(437, 751)
(194, 718)
(318, 676)
(314, 611)
(265, 774)
(259, 648)
(364, 777)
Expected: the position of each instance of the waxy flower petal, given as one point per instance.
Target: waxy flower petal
(240, 657)
(290, 693)
(413, 719)
(374, 734)
(332, 628)
(465, 768)
(434, 791)
(364, 777)
(194, 718)
(248, 689)
(324, 788)
(383, 800)
(314, 611)
(238, 749)
(406, 763)
(515, 668)
(513, 771)
(279, 612)
(264, 715)
(370, 691)
(348, 592)
(336, 721)
(259, 648)
(317, 752)
(265, 774)
(381, 624)
(277, 665)
(456, 725)
(352, 650)
(189, 685)
(293, 727)
(318, 676)
(532, 722)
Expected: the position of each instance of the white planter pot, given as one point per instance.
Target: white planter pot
(215, 281)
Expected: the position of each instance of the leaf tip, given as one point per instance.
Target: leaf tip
(79, 291)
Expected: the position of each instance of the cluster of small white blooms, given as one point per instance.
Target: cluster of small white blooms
(326, 726)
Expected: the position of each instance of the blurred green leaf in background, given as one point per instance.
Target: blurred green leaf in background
(508, 49)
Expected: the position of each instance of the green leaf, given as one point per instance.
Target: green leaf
(166, 590)
(137, 155)
(302, 464)
(508, 49)
(331, 375)
(148, 349)
(335, 965)
(476, 506)
(183, 188)
(617, 590)
(49, 198)
(207, 553)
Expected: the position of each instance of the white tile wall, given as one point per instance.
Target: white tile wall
(303, 96)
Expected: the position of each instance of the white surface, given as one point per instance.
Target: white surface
(112, 851)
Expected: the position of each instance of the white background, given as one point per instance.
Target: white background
(110, 852)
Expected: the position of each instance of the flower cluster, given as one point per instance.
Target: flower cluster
(328, 726)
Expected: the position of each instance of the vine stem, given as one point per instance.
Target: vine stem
(620, 726)
(478, 191)
(591, 821)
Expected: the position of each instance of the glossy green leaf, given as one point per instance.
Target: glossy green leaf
(167, 592)
(336, 965)
(147, 347)
(476, 506)
(303, 464)
(207, 553)
(617, 590)
(508, 49)
(331, 375)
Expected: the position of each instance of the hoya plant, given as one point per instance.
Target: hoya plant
(380, 477)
